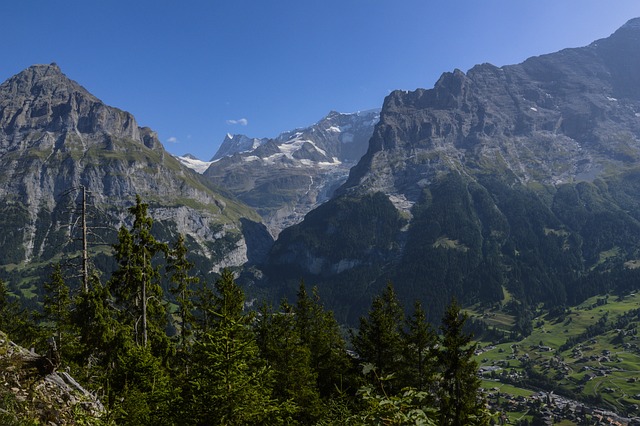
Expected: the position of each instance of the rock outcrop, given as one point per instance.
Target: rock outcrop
(521, 178)
(284, 178)
(55, 137)
(32, 391)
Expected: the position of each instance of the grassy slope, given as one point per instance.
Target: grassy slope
(602, 369)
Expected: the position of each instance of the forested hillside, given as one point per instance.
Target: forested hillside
(157, 346)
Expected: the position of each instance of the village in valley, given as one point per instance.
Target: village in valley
(580, 367)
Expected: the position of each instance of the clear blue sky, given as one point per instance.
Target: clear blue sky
(194, 70)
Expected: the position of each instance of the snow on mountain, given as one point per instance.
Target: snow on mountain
(194, 163)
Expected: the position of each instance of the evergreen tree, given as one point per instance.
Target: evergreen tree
(140, 391)
(135, 285)
(283, 349)
(320, 333)
(58, 337)
(379, 338)
(179, 269)
(459, 397)
(56, 306)
(419, 343)
(100, 332)
(229, 382)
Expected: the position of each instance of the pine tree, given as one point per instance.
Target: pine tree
(379, 338)
(229, 382)
(56, 325)
(460, 400)
(419, 343)
(283, 349)
(320, 333)
(179, 269)
(135, 285)
(56, 305)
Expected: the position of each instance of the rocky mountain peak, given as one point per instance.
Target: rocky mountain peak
(553, 119)
(631, 28)
(621, 54)
(56, 136)
(42, 99)
(235, 144)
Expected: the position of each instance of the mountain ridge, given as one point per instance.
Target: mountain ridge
(501, 179)
(56, 136)
(285, 177)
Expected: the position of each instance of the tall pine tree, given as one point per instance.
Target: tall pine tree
(320, 333)
(230, 384)
(379, 338)
(182, 282)
(459, 398)
(135, 284)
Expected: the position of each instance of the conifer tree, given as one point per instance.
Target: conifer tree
(56, 305)
(135, 285)
(320, 333)
(229, 382)
(179, 269)
(283, 349)
(419, 343)
(459, 397)
(379, 338)
(56, 324)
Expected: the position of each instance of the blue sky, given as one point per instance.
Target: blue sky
(195, 70)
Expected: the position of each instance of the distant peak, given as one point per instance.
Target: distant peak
(632, 24)
(44, 69)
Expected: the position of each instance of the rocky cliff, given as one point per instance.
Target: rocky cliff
(285, 177)
(520, 179)
(55, 138)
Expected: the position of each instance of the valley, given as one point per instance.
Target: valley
(507, 193)
(581, 359)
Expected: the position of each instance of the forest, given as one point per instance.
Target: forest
(158, 346)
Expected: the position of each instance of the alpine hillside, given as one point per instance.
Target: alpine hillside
(285, 177)
(56, 139)
(517, 183)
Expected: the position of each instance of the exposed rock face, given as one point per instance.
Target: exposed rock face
(285, 177)
(553, 119)
(237, 144)
(55, 136)
(530, 167)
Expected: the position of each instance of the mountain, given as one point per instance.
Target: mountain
(515, 183)
(55, 137)
(237, 144)
(194, 163)
(285, 177)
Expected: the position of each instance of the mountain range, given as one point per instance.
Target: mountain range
(515, 183)
(286, 177)
(512, 185)
(57, 141)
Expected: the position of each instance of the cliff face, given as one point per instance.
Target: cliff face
(55, 138)
(522, 178)
(285, 177)
(553, 119)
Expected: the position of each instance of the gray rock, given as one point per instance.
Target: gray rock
(55, 137)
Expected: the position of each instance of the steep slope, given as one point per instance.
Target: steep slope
(32, 392)
(285, 177)
(237, 144)
(521, 178)
(56, 137)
